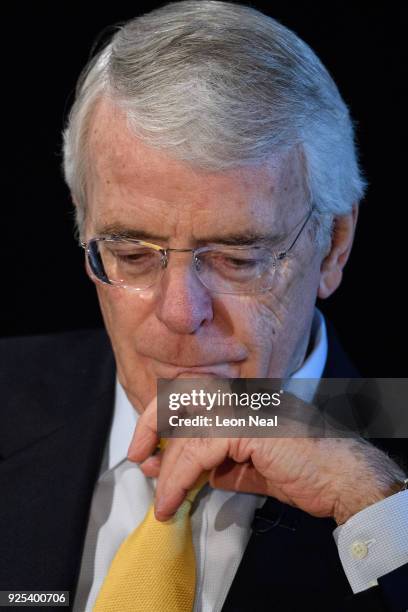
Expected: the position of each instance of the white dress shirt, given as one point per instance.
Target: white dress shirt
(371, 544)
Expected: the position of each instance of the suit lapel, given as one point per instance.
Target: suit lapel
(49, 467)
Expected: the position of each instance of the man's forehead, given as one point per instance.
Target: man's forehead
(123, 167)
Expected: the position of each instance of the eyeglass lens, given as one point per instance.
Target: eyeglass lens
(230, 270)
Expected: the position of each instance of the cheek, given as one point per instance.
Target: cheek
(278, 318)
(123, 312)
(255, 320)
(264, 315)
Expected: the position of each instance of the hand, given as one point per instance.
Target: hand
(325, 477)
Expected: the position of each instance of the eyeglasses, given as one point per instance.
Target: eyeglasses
(138, 265)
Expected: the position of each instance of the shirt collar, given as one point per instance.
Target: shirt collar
(313, 366)
(125, 416)
(123, 425)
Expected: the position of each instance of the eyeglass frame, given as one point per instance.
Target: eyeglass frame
(205, 248)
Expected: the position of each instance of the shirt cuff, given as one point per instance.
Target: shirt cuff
(374, 541)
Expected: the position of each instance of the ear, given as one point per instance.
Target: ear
(331, 271)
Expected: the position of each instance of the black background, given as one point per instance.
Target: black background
(44, 286)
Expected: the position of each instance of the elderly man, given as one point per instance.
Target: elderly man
(213, 169)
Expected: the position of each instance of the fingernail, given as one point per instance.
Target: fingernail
(130, 455)
(159, 508)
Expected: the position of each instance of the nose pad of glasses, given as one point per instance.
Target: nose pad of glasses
(164, 259)
(197, 263)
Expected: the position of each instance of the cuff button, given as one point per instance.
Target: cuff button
(359, 550)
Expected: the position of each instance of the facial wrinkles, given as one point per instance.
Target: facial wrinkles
(268, 346)
(132, 175)
(267, 313)
(216, 337)
(135, 185)
(267, 317)
(273, 314)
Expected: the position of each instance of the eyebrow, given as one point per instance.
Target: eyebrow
(241, 239)
(245, 238)
(121, 231)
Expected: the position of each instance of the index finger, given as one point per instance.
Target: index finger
(145, 439)
(183, 463)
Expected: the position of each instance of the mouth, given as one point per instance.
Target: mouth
(219, 370)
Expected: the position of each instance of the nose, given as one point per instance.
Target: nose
(184, 303)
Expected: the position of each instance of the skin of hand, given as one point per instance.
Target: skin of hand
(325, 477)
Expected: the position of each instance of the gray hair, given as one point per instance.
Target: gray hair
(220, 85)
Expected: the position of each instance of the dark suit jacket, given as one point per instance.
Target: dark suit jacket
(57, 396)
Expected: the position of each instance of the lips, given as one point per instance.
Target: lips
(187, 353)
(198, 361)
(220, 370)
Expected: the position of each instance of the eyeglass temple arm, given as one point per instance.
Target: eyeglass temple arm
(283, 254)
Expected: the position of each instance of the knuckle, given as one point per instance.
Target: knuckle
(195, 452)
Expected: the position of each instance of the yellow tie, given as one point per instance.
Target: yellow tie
(154, 569)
